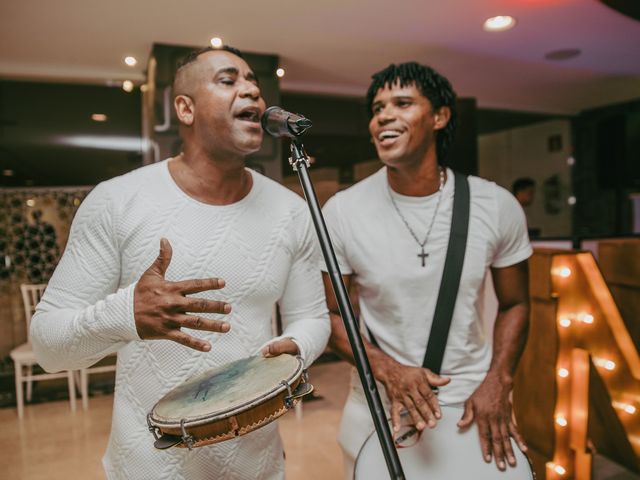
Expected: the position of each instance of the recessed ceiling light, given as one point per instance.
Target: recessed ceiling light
(563, 54)
(127, 86)
(131, 61)
(499, 23)
(216, 42)
(7, 173)
(98, 117)
(280, 72)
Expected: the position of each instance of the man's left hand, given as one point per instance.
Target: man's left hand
(490, 406)
(284, 345)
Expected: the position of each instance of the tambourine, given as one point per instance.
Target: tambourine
(229, 401)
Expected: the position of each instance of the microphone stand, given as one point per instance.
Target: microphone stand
(300, 164)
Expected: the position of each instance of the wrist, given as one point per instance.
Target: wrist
(505, 379)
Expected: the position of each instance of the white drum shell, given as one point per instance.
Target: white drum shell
(442, 453)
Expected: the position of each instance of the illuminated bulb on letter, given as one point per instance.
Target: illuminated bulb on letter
(585, 318)
(630, 409)
(563, 272)
(565, 322)
(560, 420)
(563, 372)
(559, 469)
(604, 363)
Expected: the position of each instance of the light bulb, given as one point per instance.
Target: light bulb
(561, 420)
(565, 322)
(563, 372)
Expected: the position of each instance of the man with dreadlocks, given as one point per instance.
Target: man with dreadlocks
(237, 240)
(391, 234)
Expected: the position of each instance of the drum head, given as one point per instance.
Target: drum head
(227, 390)
(443, 453)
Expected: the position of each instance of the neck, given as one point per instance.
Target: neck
(211, 181)
(415, 180)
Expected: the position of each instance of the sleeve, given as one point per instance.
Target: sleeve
(513, 244)
(303, 308)
(83, 316)
(333, 219)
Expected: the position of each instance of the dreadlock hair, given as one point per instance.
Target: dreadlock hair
(431, 84)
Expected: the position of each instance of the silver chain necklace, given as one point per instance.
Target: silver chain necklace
(422, 255)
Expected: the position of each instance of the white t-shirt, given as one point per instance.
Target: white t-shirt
(263, 246)
(398, 295)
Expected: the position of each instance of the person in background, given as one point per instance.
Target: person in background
(524, 189)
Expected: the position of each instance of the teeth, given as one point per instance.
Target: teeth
(388, 134)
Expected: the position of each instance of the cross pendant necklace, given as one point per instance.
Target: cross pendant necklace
(422, 255)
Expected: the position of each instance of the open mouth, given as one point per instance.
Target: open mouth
(387, 137)
(251, 114)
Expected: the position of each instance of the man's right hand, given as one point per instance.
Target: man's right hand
(410, 389)
(161, 306)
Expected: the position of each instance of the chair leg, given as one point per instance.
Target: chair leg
(72, 390)
(29, 383)
(84, 388)
(19, 397)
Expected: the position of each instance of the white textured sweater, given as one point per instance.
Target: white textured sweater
(263, 246)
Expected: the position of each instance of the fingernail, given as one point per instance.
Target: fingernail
(438, 415)
(420, 426)
(396, 429)
(487, 458)
(226, 327)
(226, 308)
(501, 465)
(221, 283)
(432, 424)
(206, 347)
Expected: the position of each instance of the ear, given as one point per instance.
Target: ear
(185, 109)
(442, 117)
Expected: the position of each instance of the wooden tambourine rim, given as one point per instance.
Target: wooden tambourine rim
(209, 418)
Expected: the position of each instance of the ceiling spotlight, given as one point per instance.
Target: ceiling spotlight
(98, 117)
(131, 61)
(499, 23)
(216, 42)
(280, 72)
(564, 54)
(127, 86)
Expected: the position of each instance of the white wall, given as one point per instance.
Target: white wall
(523, 152)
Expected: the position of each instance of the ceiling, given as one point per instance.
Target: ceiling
(333, 46)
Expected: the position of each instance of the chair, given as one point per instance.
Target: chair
(24, 358)
(84, 379)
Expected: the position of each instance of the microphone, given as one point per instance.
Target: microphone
(280, 123)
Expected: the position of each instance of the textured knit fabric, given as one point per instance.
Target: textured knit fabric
(398, 295)
(265, 249)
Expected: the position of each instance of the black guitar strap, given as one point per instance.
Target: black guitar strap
(450, 277)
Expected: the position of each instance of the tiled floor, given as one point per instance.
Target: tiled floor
(53, 443)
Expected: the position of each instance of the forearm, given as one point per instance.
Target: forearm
(310, 334)
(509, 339)
(69, 338)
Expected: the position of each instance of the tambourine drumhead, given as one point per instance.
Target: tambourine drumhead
(229, 401)
(443, 453)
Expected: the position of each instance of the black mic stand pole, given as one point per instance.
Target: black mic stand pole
(299, 162)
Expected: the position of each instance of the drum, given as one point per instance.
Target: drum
(443, 453)
(229, 401)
